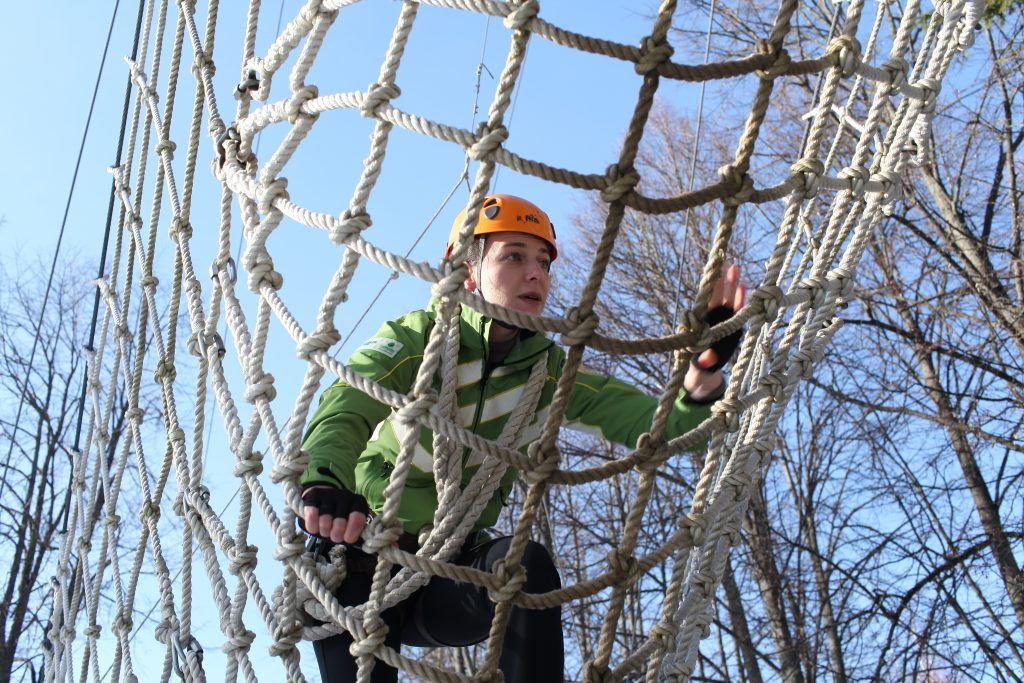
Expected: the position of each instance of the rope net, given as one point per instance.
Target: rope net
(832, 198)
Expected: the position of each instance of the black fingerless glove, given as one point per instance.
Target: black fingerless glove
(335, 501)
(725, 347)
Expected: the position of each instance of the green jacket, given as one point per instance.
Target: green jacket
(352, 440)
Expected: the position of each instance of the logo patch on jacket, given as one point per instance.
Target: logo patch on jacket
(389, 347)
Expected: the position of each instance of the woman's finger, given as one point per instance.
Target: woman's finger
(356, 522)
(740, 297)
(311, 517)
(325, 523)
(338, 530)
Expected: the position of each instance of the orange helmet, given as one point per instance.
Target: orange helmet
(508, 213)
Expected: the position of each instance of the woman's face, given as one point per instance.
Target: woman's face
(514, 272)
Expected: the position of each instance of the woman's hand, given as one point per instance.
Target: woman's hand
(704, 377)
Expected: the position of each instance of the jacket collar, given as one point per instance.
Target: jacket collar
(475, 330)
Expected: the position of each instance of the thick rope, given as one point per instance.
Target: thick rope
(790, 317)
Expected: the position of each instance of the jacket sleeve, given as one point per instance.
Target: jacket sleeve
(346, 417)
(619, 413)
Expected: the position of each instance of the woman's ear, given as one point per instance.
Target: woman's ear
(470, 282)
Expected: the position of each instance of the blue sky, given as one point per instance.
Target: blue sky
(571, 110)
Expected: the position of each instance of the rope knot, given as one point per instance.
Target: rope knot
(298, 100)
(376, 632)
(487, 141)
(122, 624)
(697, 526)
(245, 557)
(857, 177)
(663, 634)
(510, 581)
(843, 282)
(292, 469)
(583, 327)
(149, 512)
(593, 673)
(892, 185)
(620, 183)
(738, 182)
(523, 13)
(165, 146)
(380, 534)
(780, 63)
(417, 408)
(164, 631)
(730, 409)
(239, 641)
(378, 95)
(165, 370)
(623, 566)
(651, 451)
(967, 33)
(930, 88)
(653, 53)
(251, 465)
(810, 169)
(287, 635)
(546, 458)
(695, 325)
(261, 270)
(180, 229)
(290, 543)
(135, 414)
(769, 297)
(320, 339)
(92, 631)
(804, 361)
(261, 387)
(350, 225)
(896, 68)
(308, 14)
(845, 51)
(764, 452)
(203, 61)
(267, 192)
(774, 385)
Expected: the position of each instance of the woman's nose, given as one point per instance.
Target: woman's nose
(535, 271)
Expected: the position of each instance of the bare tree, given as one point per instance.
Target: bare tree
(34, 494)
(40, 425)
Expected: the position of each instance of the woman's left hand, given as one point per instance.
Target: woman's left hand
(704, 377)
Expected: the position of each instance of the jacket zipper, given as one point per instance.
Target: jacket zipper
(485, 373)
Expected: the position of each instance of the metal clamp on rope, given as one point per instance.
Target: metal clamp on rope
(228, 265)
(230, 134)
(251, 82)
(179, 652)
(217, 341)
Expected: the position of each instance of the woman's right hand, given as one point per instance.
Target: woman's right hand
(333, 512)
